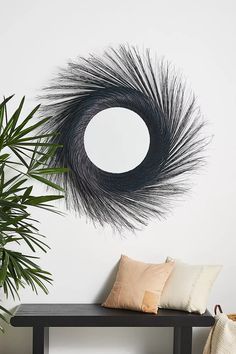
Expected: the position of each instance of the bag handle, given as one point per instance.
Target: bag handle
(217, 309)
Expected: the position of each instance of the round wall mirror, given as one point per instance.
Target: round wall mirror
(116, 140)
(123, 167)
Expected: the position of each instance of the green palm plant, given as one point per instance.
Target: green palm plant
(24, 153)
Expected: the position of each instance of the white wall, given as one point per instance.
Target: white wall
(198, 37)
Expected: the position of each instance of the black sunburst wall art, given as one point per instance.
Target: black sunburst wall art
(125, 78)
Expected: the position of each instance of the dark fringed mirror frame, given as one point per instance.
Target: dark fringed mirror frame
(125, 78)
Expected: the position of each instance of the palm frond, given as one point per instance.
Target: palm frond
(25, 152)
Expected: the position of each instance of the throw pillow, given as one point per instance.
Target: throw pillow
(138, 285)
(188, 286)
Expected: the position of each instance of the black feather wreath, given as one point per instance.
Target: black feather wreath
(124, 78)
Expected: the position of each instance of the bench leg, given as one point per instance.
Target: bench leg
(40, 340)
(182, 340)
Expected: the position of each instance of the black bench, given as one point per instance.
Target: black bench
(43, 316)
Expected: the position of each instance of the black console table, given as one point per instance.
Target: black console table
(43, 316)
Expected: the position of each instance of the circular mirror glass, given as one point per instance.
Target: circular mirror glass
(116, 140)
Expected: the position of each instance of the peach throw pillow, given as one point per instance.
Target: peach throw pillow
(138, 286)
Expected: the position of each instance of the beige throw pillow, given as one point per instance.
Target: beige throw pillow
(138, 285)
(188, 287)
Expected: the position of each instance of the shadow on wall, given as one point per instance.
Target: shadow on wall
(199, 339)
(16, 341)
(111, 340)
(107, 285)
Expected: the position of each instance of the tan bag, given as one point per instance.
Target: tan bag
(222, 337)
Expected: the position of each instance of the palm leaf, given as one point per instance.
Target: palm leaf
(47, 182)
(4, 267)
(11, 123)
(27, 160)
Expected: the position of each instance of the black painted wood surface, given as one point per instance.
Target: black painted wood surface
(94, 315)
(182, 340)
(40, 340)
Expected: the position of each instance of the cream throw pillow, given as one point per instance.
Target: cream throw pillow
(138, 285)
(188, 286)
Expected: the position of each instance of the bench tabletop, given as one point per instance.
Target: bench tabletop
(94, 315)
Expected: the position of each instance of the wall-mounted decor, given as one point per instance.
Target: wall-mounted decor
(128, 79)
